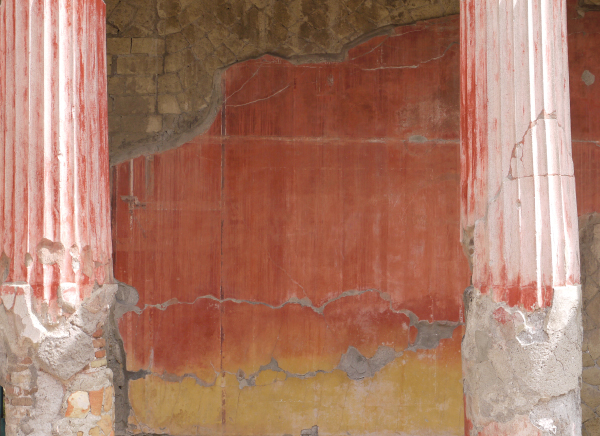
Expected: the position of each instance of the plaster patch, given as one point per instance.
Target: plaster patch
(48, 400)
(588, 78)
(358, 367)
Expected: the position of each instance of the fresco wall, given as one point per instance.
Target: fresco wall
(299, 265)
(584, 42)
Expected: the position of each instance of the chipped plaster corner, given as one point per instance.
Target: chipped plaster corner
(518, 363)
(23, 327)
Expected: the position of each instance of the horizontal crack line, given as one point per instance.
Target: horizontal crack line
(304, 302)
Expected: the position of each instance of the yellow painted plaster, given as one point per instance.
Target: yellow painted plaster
(417, 394)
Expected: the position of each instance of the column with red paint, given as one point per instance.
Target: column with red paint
(54, 203)
(56, 282)
(518, 198)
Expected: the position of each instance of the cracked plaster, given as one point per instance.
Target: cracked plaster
(166, 57)
(353, 363)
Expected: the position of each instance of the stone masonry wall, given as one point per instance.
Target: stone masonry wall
(589, 233)
(165, 56)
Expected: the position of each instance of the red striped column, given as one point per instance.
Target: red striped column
(55, 245)
(522, 349)
(54, 205)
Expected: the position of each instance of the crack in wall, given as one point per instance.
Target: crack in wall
(415, 66)
(353, 363)
(304, 302)
(193, 124)
(517, 153)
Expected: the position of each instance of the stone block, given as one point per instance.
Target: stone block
(590, 395)
(167, 104)
(118, 46)
(116, 85)
(151, 46)
(592, 426)
(592, 341)
(176, 61)
(592, 308)
(184, 100)
(66, 353)
(168, 8)
(168, 26)
(587, 360)
(139, 65)
(591, 376)
(122, 16)
(138, 104)
(155, 123)
(169, 84)
(141, 85)
(176, 42)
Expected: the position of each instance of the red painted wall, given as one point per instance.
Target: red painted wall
(314, 181)
(584, 43)
(335, 185)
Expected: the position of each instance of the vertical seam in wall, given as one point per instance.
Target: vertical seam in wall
(223, 134)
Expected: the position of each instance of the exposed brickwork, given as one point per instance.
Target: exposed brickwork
(165, 55)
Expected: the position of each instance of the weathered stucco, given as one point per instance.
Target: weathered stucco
(282, 259)
(166, 56)
(262, 378)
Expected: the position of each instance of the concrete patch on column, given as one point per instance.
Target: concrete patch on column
(518, 364)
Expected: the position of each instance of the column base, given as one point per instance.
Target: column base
(56, 377)
(521, 369)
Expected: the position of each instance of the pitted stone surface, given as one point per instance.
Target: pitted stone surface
(66, 352)
(165, 56)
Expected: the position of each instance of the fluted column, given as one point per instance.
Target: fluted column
(522, 347)
(55, 244)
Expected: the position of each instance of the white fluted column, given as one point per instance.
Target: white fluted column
(55, 242)
(522, 349)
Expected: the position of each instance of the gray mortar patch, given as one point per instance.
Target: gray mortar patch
(430, 334)
(313, 431)
(588, 78)
(357, 367)
(125, 298)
